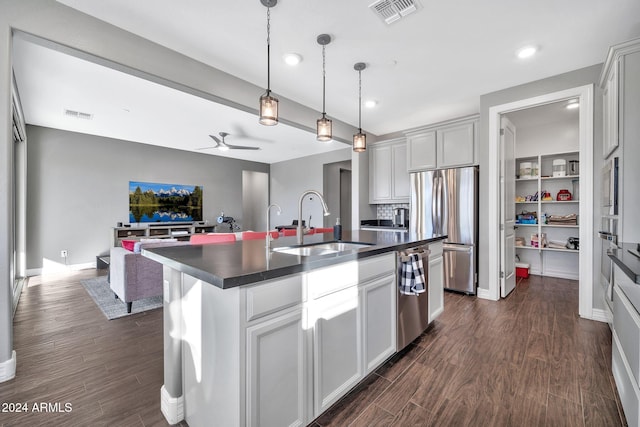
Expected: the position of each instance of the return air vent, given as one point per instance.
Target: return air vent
(78, 114)
(392, 10)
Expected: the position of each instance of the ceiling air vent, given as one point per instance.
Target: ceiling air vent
(78, 114)
(392, 10)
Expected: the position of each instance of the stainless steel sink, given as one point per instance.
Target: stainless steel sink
(322, 248)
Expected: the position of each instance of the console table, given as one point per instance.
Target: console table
(180, 231)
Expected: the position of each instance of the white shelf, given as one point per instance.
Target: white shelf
(552, 178)
(548, 261)
(547, 249)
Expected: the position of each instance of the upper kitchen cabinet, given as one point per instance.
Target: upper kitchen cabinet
(443, 145)
(388, 176)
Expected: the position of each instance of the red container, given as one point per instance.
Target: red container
(522, 270)
(563, 196)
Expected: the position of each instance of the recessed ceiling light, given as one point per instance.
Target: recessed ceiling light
(573, 104)
(526, 52)
(371, 103)
(292, 59)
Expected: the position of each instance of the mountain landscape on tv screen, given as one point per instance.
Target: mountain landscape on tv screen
(155, 202)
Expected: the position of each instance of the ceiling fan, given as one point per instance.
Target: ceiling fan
(223, 146)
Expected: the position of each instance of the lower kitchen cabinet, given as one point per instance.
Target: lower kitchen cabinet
(337, 346)
(277, 372)
(280, 352)
(436, 288)
(378, 302)
(625, 361)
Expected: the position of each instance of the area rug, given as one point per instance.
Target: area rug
(113, 308)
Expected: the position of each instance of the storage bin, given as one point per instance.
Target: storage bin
(559, 167)
(525, 170)
(522, 270)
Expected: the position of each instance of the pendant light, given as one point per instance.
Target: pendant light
(268, 103)
(324, 132)
(360, 138)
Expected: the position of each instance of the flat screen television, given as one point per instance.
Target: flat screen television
(155, 202)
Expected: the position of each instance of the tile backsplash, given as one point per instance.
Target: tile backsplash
(386, 211)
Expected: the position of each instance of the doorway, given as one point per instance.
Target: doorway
(255, 199)
(584, 97)
(336, 189)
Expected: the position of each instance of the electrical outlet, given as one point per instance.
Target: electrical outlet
(63, 253)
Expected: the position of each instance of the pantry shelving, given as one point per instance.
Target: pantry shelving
(530, 191)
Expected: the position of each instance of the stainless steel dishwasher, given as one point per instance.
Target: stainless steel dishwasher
(412, 310)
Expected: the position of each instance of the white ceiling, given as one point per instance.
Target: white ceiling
(430, 66)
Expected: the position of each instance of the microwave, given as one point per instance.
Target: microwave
(610, 187)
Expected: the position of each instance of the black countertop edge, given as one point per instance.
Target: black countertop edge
(246, 262)
(628, 263)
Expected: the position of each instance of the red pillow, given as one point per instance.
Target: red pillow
(128, 244)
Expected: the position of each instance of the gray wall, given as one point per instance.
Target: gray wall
(78, 185)
(289, 179)
(581, 77)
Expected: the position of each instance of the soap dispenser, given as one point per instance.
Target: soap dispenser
(337, 230)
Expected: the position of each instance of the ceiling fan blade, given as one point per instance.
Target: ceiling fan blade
(206, 148)
(215, 138)
(241, 147)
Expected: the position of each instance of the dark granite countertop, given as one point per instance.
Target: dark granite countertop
(227, 265)
(628, 262)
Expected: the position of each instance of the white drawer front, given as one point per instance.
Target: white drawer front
(275, 295)
(626, 324)
(378, 266)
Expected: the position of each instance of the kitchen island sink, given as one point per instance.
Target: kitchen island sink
(322, 248)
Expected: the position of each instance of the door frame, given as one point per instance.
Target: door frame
(585, 96)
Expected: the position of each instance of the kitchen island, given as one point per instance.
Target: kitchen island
(256, 337)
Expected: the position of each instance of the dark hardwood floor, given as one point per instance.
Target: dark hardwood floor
(528, 360)
(68, 352)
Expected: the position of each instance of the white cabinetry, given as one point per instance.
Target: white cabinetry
(436, 285)
(337, 346)
(610, 111)
(388, 176)
(351, 312)
(445, 145)
(620, 82)
(547, 260)
(625, 361)
(276, 371)
(379, 321)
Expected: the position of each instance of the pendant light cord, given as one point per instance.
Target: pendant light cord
(268, 51)
(323, 80)
(360, 101)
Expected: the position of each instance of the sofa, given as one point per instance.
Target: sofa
(132, 276)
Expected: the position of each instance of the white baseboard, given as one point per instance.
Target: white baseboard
(484, 294)
(172, 407)
(600, 315)
(72, 267)
(8, 368)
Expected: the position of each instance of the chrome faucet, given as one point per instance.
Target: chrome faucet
(268, 238)
(300, 230)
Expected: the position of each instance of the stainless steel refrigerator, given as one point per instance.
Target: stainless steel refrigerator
(446, 202)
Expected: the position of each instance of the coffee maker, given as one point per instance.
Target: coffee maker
(401, 217)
